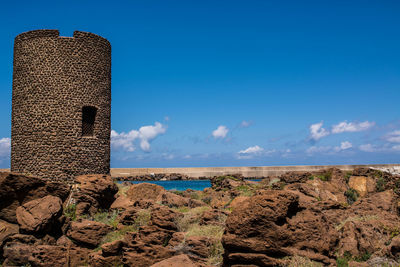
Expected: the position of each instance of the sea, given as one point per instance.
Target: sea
(181, 185)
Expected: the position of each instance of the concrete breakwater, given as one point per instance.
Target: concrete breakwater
(262, 171)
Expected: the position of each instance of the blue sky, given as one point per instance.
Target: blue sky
(235, 83)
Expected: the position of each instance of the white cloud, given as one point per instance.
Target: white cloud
(345, 126)
(393, 137)
(145, 134)
(317, 132)
(396, 147)
(220, 132)
(345, 145)
(251, 150)
(367, 148)
(5, 147)
(245, 124)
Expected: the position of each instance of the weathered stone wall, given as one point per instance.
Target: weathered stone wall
(54, 78)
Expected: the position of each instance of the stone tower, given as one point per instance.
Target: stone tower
(61, 105)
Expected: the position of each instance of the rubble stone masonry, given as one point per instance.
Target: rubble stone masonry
(55, 80)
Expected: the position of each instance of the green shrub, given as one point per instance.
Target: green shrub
(119, 234)
(347, 176)
(380, 184)
(70, 211)
(363, 257)
(110, 218)
(326, 176)
(351, 195)
(344, 260)
(245, 190)
(311, 177)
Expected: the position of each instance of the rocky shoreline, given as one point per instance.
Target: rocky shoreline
(325, 218)
(174, 177)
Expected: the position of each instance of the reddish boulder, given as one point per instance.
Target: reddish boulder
(100, 187)
(272, 225)
(39, 215)
(173, 200)
(17, 189)
(176, 261)
(93, 192)
(214, 216)
(88, 233)
(198, 247)
(150, 244)
(6, 230)
(58, 256)
(147, 246)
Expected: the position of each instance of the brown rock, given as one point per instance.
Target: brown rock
(362, 184)
(164, 218)
(176, 261)
(272, 225)
(6, 230)
(145, 191)
(17, 189)
(88, 233)
(16, 254)
(112, 248)
(147, 246)
(100, 187)
(214, 216)
(96, 259)
(58, 256)
(174, 200)
(122, 203)
(237, 201)
(295, 177)
(38, 215)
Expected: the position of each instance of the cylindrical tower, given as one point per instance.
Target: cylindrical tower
(61, 105)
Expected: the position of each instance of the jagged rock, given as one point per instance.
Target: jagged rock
(94, 192)
(147, 246)
(145, 191)
(96, 259)
(164, 218)
(17, 189)
(295, 177)
(113, 248)
(88, 233)
(278, 223)
(39, 215)
(362, 184)
(16, 254)
(213, 216)
(174, 200)
(58, 256)
(176, 261)
(150, 244)
(198, 247)
(227, 182)
(6, 230)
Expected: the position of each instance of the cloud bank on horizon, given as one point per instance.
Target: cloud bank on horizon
(124, 145)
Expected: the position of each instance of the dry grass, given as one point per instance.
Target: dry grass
(297, 261)
(357, 219)
(190, 216)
